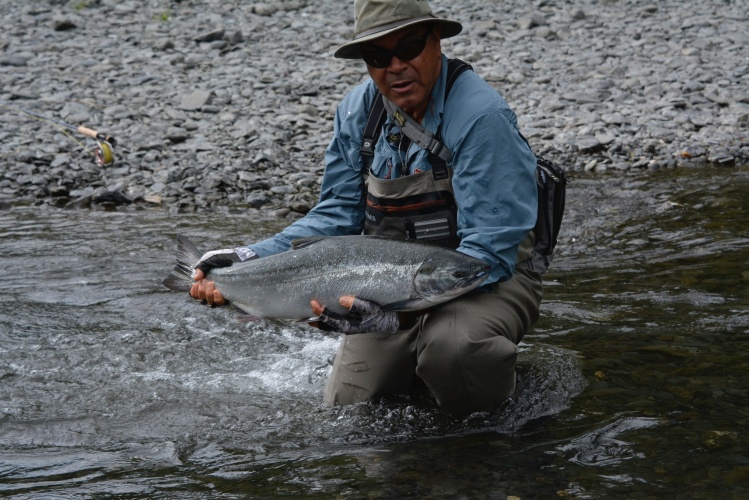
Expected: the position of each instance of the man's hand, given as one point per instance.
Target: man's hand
(365, 316)
(205, 290)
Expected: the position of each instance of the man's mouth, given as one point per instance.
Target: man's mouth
(402, 87)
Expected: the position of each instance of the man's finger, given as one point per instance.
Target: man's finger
(317, 308)
(198, 275)
(347, 301)
(210, 288)
(218, 299)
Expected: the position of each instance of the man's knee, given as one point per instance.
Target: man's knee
(369, 365)
(467, 375)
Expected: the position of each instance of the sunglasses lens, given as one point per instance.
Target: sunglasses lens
(377, 58)
(405, 52)
(410, 49)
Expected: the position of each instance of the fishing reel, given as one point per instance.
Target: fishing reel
(104, 154)
(104, 151)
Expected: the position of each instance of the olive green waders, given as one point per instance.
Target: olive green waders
(464, 350)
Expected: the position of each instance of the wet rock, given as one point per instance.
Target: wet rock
(589, 144)
(257, 200)
(721, 157)
(111, 197)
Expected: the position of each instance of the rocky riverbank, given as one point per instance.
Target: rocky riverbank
(220, 104)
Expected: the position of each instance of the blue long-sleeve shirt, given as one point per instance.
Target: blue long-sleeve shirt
(493, 171)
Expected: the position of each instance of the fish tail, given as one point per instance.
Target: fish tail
(180, 279)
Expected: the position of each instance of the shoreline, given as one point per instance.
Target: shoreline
(230, 104)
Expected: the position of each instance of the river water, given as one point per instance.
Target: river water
(634, 383)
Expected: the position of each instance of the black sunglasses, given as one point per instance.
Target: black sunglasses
(405, 51)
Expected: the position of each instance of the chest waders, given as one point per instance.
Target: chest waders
(419, 207)
(416, 207)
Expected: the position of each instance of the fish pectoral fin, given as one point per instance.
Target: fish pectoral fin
(306, 241)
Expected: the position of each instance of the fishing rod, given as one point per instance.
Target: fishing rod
(104, 151)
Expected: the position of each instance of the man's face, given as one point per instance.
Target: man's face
(408, 84)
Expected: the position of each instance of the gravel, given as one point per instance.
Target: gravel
(218, 104)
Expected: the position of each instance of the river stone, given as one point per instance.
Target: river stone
(263, 9)
(63, 24)
(196, 100)
(14, 60)
(210, 36)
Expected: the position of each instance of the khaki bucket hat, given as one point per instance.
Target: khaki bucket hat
(376, 18)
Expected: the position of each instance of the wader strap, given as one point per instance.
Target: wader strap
(418, 134)
(439, 154)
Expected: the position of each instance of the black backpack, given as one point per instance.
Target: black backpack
(551, 179)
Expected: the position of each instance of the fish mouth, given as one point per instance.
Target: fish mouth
(475, 280)
(468, 283)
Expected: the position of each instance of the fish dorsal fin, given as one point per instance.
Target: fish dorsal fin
(306, 241)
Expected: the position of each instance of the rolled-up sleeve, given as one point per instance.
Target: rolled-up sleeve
(495, 187)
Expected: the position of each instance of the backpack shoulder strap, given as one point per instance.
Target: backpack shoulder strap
(375, 120)
(455, 68)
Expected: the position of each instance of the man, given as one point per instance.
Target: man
(483, 203)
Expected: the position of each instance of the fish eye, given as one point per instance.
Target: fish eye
(460, 274)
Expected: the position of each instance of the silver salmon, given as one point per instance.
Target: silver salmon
(399, 275)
